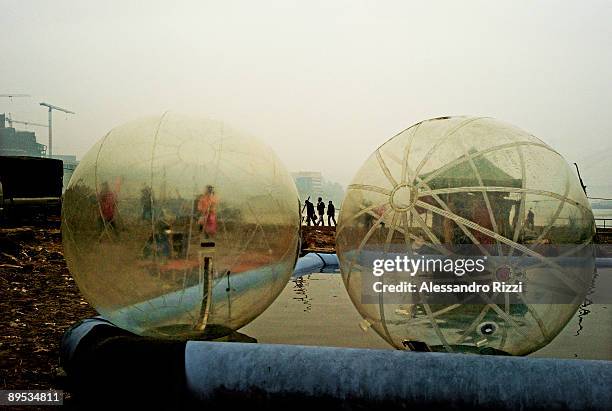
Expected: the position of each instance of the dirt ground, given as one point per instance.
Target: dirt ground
(39, 300)
(318, 239)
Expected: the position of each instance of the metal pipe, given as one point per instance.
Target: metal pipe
(23, 201)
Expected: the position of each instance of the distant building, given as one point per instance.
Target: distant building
(308, 183)
(313, 184)
(23, 143)
(19, 143)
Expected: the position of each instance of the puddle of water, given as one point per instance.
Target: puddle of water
(587, 335)
(582, 311)
(300, 289)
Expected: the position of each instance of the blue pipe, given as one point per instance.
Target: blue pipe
(160, 309)
(316, 263)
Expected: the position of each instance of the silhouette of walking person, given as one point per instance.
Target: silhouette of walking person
(310, 213)
(331, 213)
(321, 210)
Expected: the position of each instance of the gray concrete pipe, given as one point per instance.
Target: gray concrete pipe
(108, 367)
(285, 376)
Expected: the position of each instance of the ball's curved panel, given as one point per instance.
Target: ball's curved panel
(180, 227)
(468, 181)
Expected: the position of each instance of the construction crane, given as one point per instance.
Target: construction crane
(10, 121)
(10, 96)
(51, 107)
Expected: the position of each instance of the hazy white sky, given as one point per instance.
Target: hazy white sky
(324, 83)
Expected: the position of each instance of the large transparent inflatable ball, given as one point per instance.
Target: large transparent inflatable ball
(180, 228)
(464, 187)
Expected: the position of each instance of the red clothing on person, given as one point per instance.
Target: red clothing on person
(108, 204)
(207, 205)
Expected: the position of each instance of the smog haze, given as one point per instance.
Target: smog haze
(323, 83)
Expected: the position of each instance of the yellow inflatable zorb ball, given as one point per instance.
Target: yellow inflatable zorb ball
(180, 227)
(466, 234)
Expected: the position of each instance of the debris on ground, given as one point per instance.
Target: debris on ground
(318, 239)
(39, 300)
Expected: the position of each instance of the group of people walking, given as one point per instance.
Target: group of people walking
(311, 216)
